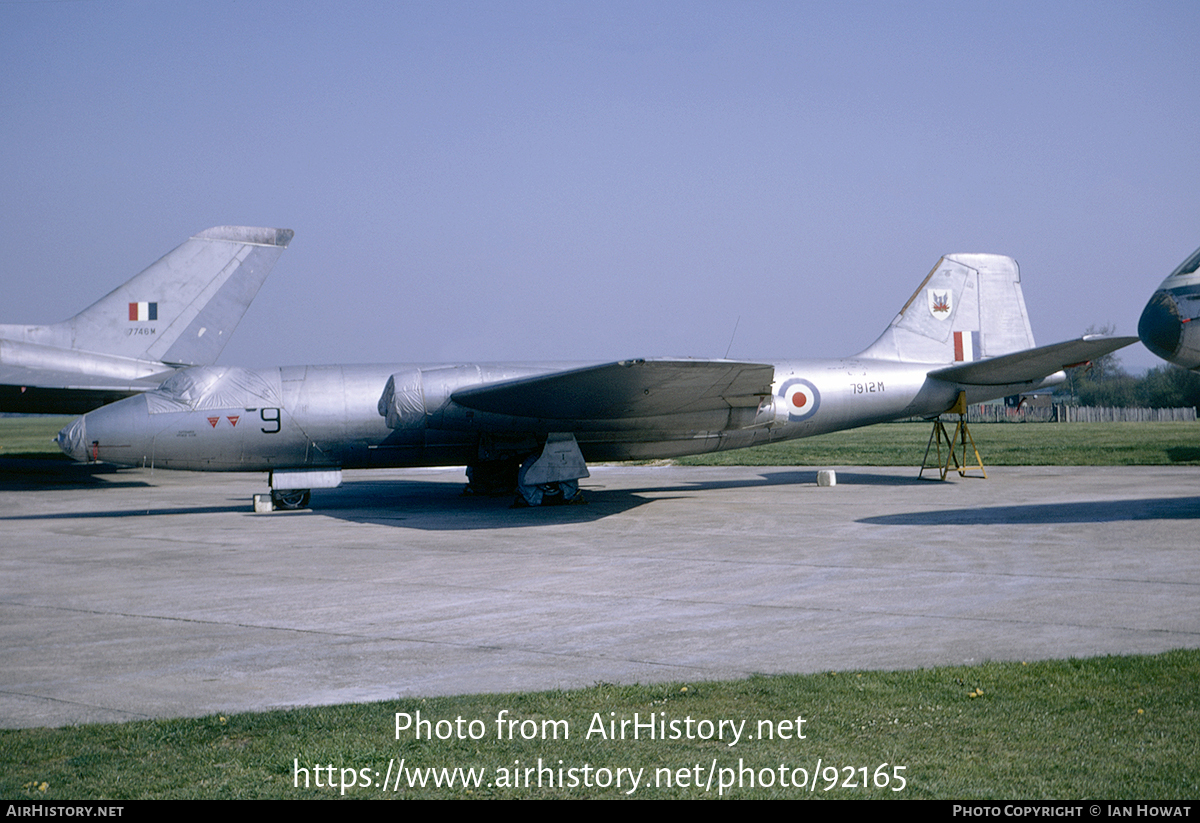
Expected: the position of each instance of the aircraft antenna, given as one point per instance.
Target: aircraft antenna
(730, 346)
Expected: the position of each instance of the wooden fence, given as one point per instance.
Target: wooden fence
(1061, 413)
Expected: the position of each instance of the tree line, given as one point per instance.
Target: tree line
(1103, 382)
(1164, 387)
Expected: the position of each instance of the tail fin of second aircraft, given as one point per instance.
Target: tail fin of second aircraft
(183, 308)
(968, 308)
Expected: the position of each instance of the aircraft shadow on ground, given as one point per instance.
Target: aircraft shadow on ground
(1098, 511)
(440, 506)
(414, 503)
(142, 512)
(434, 506)
(34, 474)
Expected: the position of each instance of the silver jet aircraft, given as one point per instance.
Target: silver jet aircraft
(1168, 324)
(179, 312)
(965, 330)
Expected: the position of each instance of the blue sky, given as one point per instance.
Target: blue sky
(595, 181)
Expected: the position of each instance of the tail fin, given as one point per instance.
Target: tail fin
(182, 309)
(969, 307)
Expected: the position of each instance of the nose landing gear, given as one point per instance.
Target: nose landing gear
(291, 499)
(291, 489)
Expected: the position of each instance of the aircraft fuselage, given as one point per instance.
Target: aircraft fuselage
(227, 419)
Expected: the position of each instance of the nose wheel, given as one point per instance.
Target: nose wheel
(290, 499)
(291, 489)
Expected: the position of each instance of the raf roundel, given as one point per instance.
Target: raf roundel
(801, 397)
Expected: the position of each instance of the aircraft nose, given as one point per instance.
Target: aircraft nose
(1161, 327)
(73, 440)
(117, 433)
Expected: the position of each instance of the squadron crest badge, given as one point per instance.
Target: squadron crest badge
(941, 303)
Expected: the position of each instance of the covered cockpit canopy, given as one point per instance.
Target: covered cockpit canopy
(215, 387)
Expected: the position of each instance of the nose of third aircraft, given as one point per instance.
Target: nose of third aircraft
(1161, 326)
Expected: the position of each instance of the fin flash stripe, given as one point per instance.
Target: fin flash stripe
(143, 312)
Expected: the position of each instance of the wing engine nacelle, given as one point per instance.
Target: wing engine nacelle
(412, 395)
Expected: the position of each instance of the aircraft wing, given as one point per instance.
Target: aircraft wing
(45, 391)
(1032, 364)
(628, 388)
(48, 380)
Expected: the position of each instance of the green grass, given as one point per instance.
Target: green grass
(1109, 727)
(1000, 444)
(31, 436)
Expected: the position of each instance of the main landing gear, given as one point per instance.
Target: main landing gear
(547, 478)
